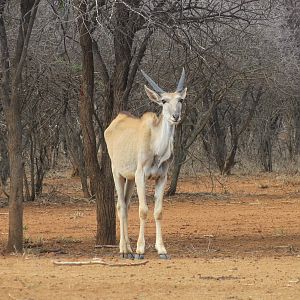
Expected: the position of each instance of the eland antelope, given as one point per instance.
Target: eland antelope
(140, 149)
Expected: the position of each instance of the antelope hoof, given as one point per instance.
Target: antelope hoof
(164, 256)
(127, 255)
(139, 256)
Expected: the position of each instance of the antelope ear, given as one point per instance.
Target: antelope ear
(183, 93)
(153, 96)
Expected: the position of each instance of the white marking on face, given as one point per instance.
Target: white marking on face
(172, 106)
(171, 103)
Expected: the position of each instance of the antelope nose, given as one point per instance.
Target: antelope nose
(175, 117)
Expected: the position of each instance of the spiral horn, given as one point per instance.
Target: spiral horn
(180, 85)
(153, 84)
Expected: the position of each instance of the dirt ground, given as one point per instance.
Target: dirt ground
(235, 237)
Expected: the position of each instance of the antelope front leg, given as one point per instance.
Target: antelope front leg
(125, 248)
(159, 193)
(143, 211)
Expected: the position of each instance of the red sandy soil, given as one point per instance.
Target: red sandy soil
(235, 237)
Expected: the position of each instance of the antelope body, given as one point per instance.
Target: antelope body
(139, 149)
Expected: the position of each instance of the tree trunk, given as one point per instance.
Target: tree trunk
(79, 167)
(265, 149)
(106, 220)
(15, 232)
(179, 157)
(40, 173)
(217, 138)
(32, 155)
(4, 161)
(230, 159)
(10, 97)
(106, 214)
(26, 186)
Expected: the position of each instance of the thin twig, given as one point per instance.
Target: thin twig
(106, 246)
(98, 262)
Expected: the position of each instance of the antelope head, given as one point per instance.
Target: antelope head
(171, 102)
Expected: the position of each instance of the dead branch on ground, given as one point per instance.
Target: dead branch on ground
(98, 262)
(106, 246)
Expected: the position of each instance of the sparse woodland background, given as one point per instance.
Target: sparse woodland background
(68, 67)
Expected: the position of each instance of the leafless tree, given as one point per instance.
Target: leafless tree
(11, 96)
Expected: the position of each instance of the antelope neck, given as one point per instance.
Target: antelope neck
(163, 142)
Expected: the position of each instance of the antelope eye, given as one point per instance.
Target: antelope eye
(180, 100)
(163, 101)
